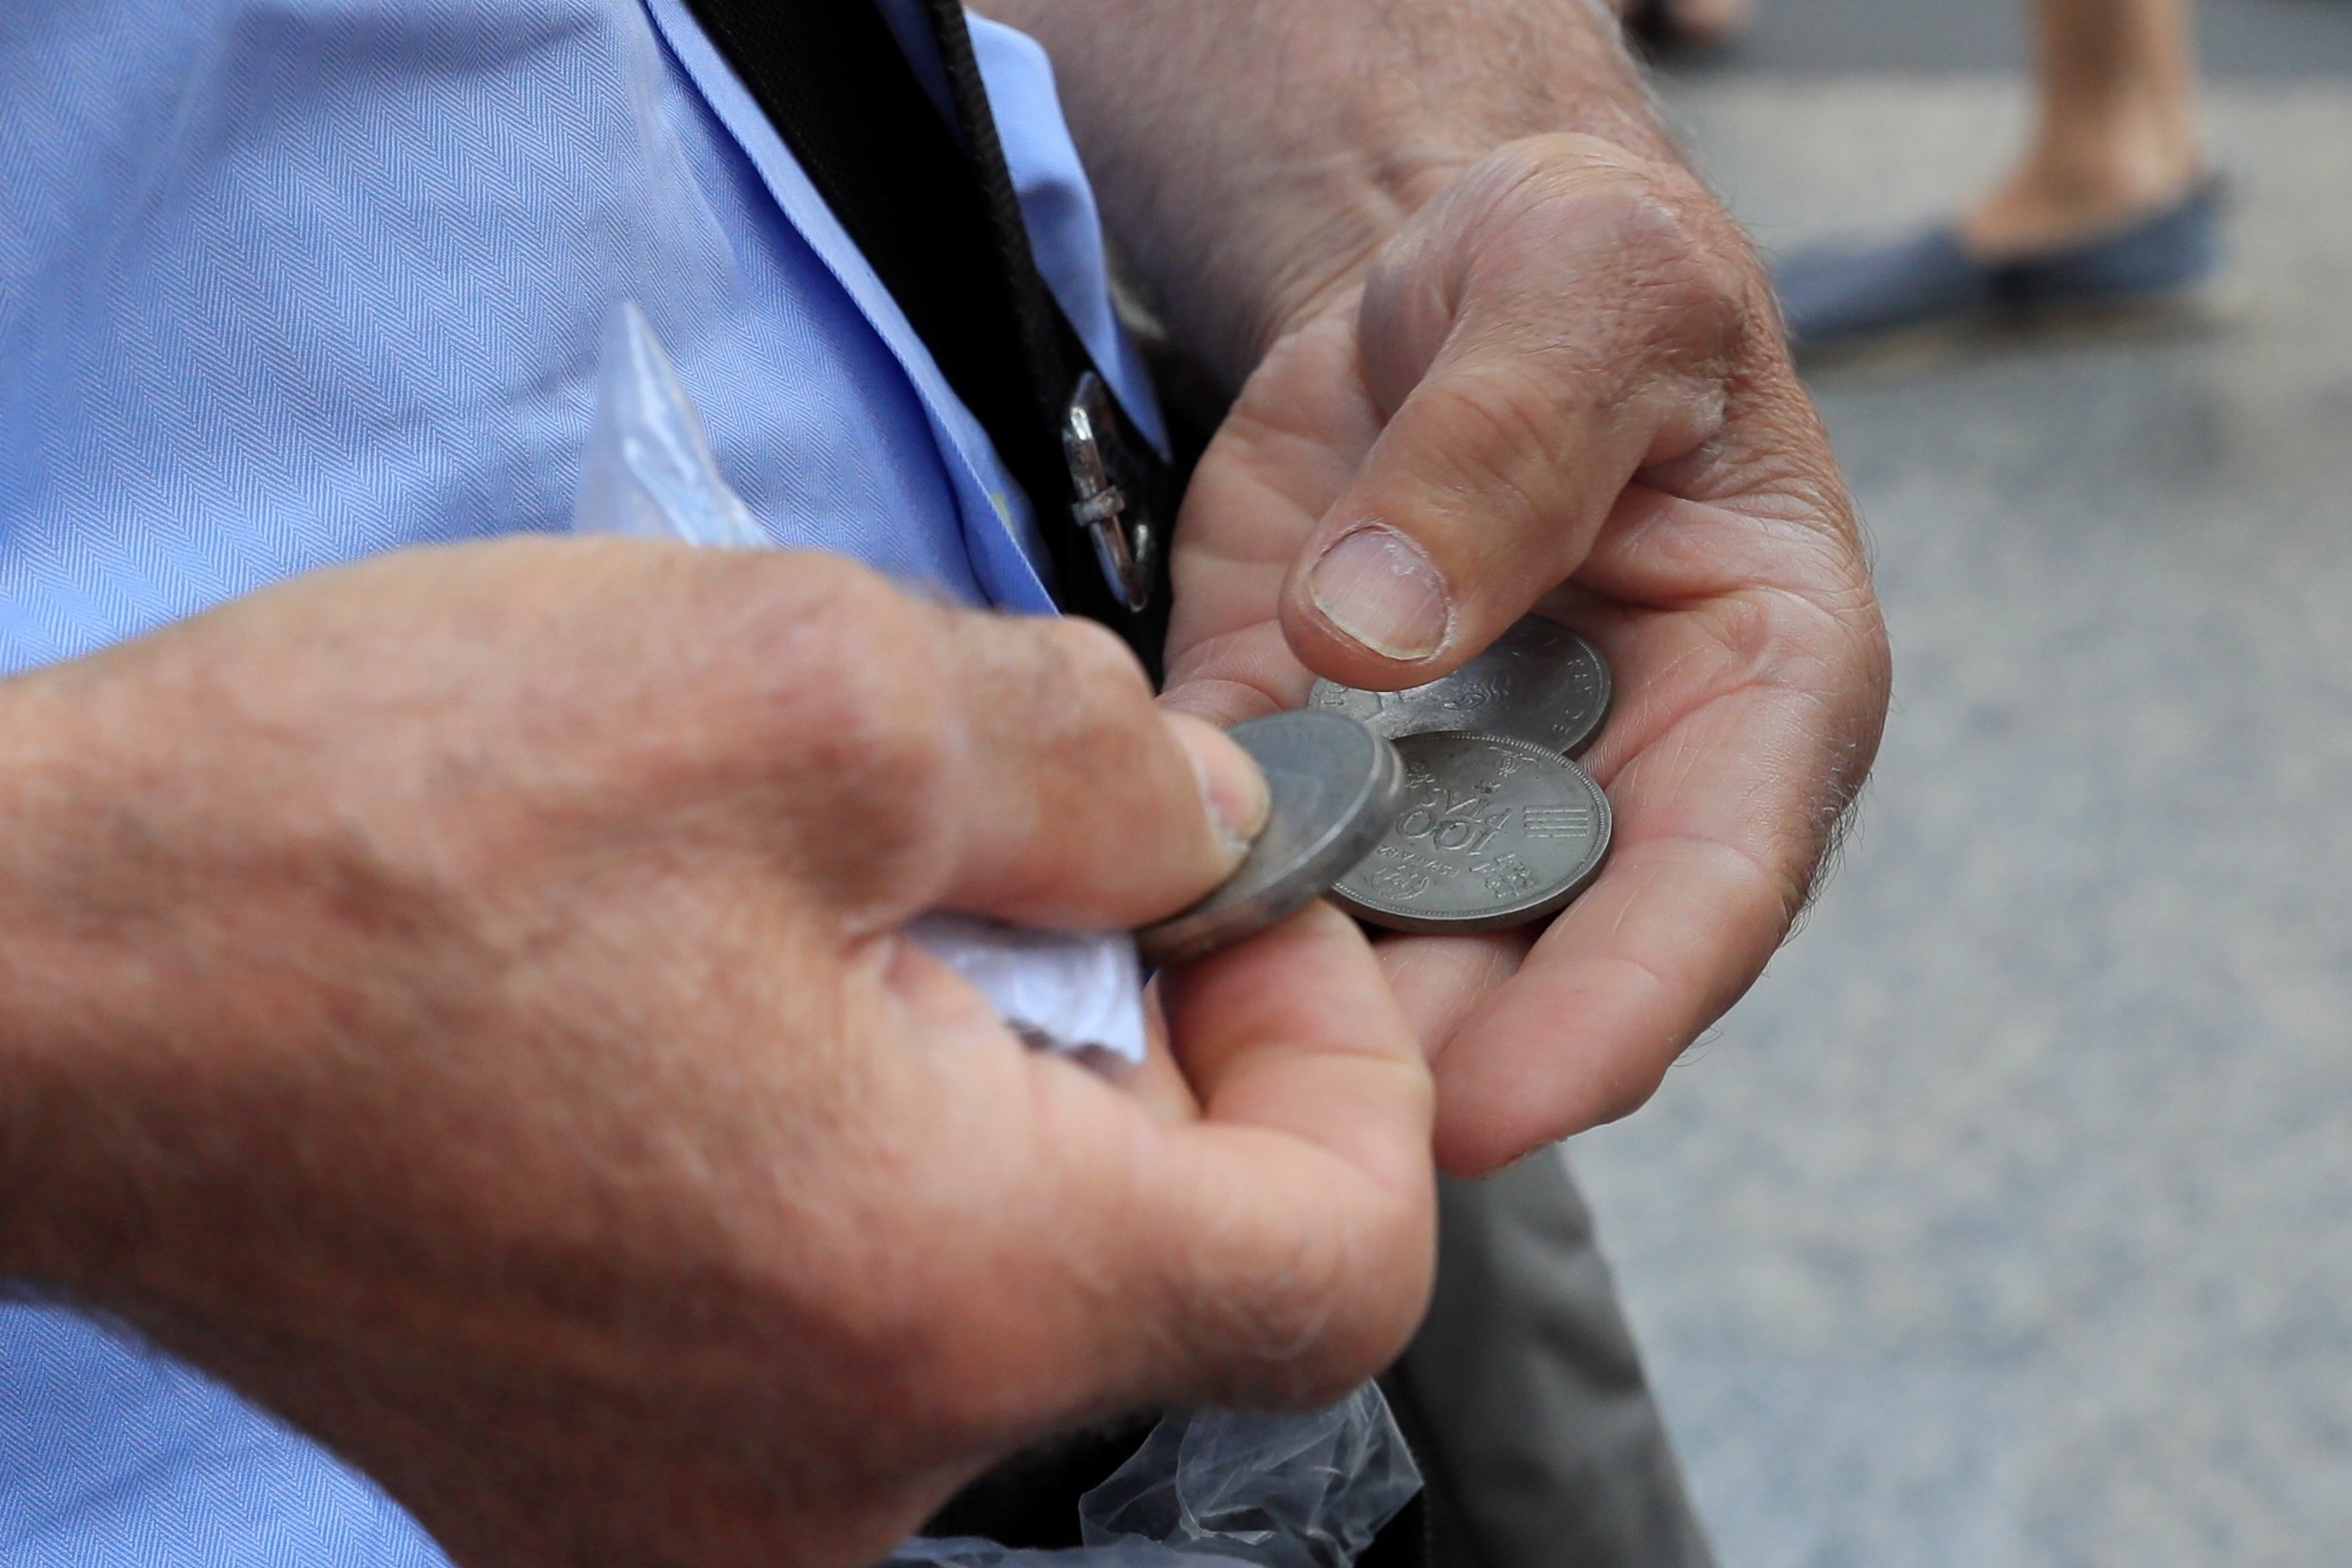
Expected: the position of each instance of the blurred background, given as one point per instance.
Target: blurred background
(2010, 1220)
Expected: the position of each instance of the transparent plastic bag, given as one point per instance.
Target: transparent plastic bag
(648, 470)
(1222, 1486)
(1209, 1486)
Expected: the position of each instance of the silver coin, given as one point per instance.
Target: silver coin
(1538, 682)
(1491, 832)
(1332, 786)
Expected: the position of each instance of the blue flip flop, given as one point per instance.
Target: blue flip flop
(1839, 294)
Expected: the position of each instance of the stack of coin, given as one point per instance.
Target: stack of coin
(1331, 788)
(1496, 825)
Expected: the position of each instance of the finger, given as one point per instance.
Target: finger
(1701, 888)
(1280, 1250)
(1439, 981)
(1074, 802)
(1613, 994)
(1291, 443)
(898, 755)
(1563, 318)
(1157, 1083)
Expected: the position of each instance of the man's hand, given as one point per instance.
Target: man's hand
(1562, 385)
(1497, 349)
(460, 999)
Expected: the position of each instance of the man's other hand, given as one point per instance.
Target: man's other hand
(1562, 385)
(460, 1001)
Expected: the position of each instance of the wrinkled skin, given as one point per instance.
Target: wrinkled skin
(1564, 381)
(458, 999)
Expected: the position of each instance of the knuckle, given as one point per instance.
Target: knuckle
(1680, 270)
(1067, 711)
(1268, 1323)
(1677, 281)
(1305, 1322)
(1098, 664)
(1071, 686)
(1499, 435)
(856, 719)
(866, 707)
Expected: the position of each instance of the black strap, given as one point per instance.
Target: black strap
(935, 215)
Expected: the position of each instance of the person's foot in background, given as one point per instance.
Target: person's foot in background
(2114, 205)
(1665, 28)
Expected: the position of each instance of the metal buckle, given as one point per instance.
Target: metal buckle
(1126, 544)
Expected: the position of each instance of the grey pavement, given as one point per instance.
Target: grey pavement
(2236, 38)
(2010, 1220)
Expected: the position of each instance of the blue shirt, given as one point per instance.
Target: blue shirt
(284, 282)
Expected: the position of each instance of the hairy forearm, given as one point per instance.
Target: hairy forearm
(1251, 155)
(126, 988)
(44, 804)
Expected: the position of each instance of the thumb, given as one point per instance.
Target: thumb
(1565, 315)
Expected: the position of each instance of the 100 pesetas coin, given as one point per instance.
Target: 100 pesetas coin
(1538, 682)
(1491, 832)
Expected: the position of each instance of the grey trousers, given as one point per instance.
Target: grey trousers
(1525, 1396)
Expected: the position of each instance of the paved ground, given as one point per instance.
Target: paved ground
(2238, 37)
(2010, 1222)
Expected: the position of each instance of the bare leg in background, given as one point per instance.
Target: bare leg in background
(2116, 132)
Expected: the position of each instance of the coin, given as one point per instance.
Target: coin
(1490, 832)
(1333, 786)
(1538, 682)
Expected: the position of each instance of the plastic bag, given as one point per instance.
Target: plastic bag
(1221, 1486)
(648, 472)
(1278, 1491)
